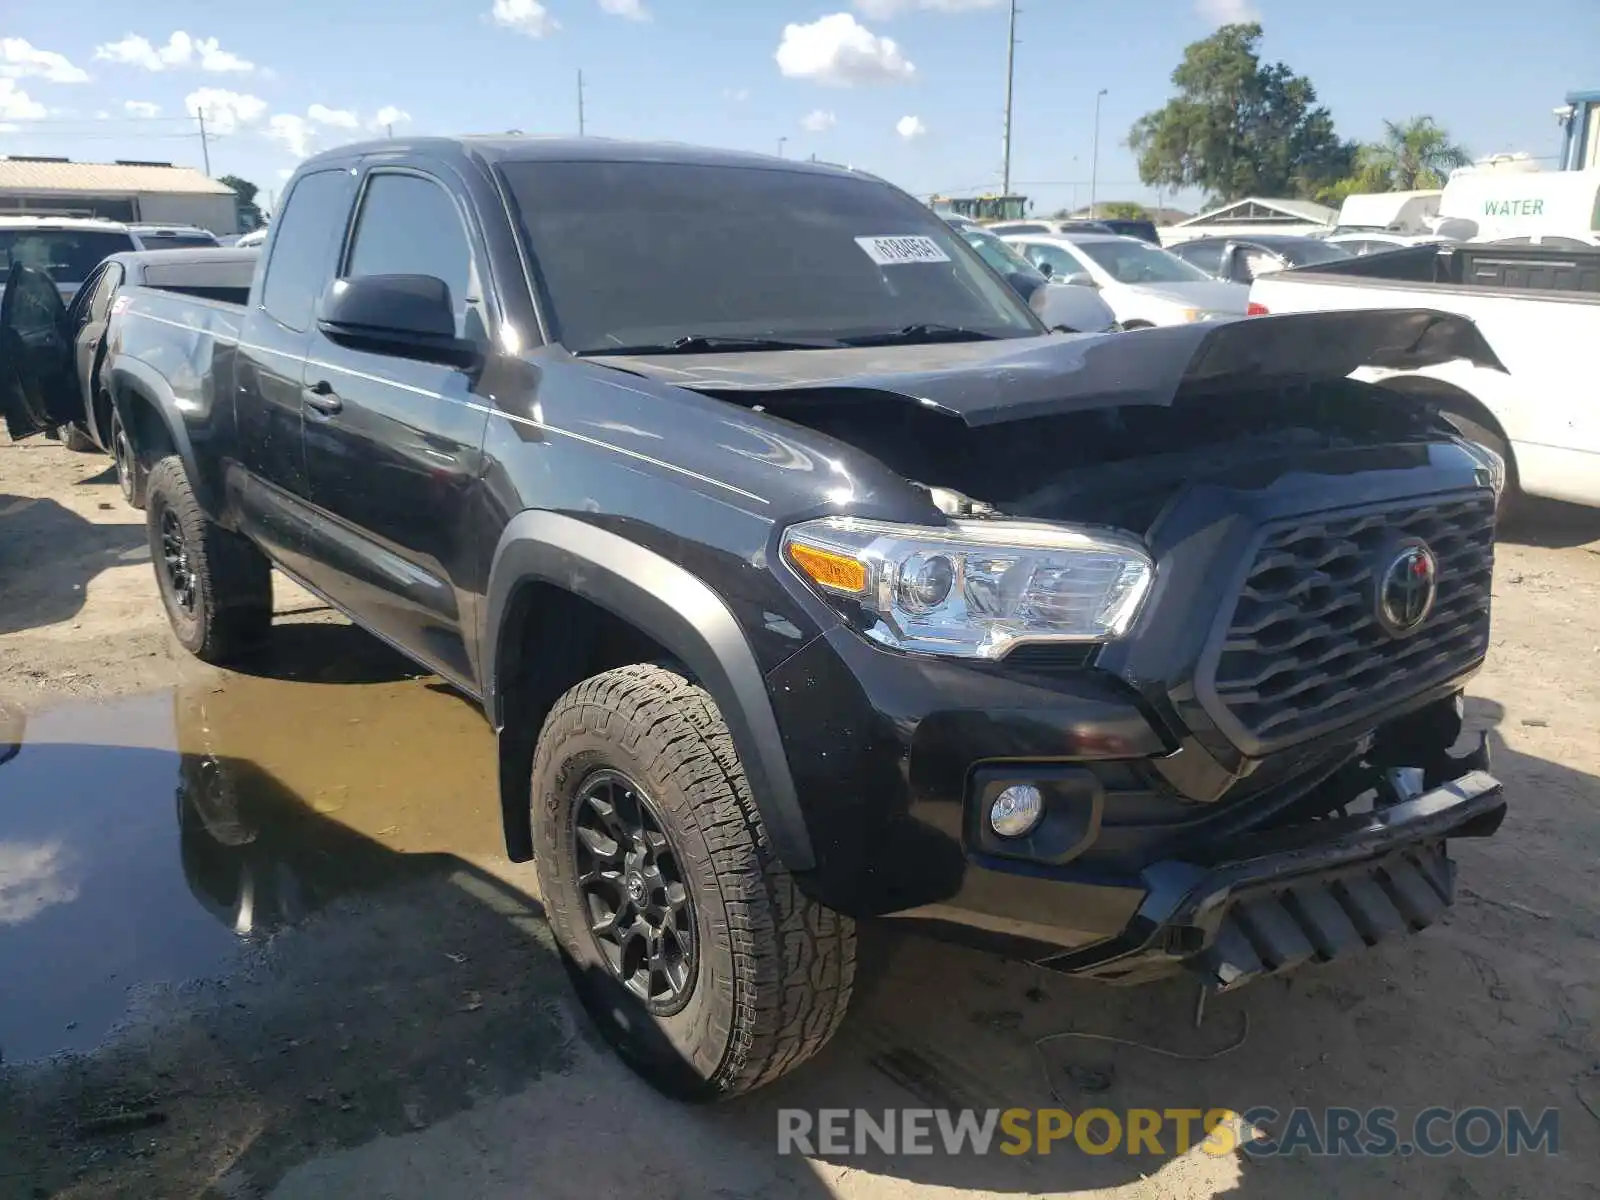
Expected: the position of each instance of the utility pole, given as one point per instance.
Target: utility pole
(205, 146)
(580, 102)
(1011, 74)
(389, 128)
(781, 143)
(1094, 163)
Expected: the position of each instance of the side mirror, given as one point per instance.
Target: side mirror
(1081, 279)
(1023, 284)
(409, 316)
(1045, 269)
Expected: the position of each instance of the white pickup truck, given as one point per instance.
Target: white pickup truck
(1539, 309)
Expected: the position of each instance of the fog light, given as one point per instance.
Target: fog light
(1016, 810)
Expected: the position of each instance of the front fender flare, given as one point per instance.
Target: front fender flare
(679, 611)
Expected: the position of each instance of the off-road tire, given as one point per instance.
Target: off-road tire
(232, 608)
(774, 968)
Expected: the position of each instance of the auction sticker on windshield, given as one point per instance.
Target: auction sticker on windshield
(892, 251)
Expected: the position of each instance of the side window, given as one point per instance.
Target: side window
(1061, 263)
(302, 248)
(410, 226)
(1208, 257)
(105, 289)
(1257, 262)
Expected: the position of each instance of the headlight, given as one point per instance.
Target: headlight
(973, 589)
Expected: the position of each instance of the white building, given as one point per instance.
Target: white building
(159, 193)
(1252, 217)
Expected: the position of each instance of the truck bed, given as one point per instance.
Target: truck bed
(1515, 270)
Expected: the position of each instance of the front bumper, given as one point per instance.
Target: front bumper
(1385, 874)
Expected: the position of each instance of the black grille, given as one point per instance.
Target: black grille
(1304, 650)
(1050, 658)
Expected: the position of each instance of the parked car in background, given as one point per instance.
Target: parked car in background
(1144, 284)
(1013, 228)
(69, 248)
(1379, 242)
(254, 238)
(172, 237)
(1537, 306)
(1240, 260)
(1075, 308)
(1144, 230)
(89, 421)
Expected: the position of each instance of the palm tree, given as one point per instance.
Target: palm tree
(1417, 154)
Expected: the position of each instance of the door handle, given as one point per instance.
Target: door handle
(321, 397)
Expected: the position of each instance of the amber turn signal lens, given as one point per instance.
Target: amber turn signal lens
(840, 572)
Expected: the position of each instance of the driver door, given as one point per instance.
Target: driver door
(38, 372)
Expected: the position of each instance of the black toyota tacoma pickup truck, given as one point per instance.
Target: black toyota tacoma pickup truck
(807, 578)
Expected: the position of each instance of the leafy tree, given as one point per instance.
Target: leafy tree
(1122, 210)
(1238, 127)
(249, 212)
(1416, 154)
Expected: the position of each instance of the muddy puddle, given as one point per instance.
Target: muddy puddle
(146, 842)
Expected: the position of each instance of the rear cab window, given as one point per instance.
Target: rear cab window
(301, 263)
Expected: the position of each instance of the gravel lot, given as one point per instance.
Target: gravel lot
(320, 979)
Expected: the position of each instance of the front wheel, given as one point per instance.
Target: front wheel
(216, 586)
(688, 942)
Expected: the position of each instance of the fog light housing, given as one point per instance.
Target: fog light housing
(1016, 810)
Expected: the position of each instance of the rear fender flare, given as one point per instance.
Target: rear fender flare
(130, 379)
(680, 612)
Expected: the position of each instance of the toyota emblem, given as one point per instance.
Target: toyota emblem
(1407, 587)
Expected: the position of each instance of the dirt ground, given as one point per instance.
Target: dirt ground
(257, 938)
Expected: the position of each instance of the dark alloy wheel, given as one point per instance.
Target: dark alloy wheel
(639, 910)
(175, 563)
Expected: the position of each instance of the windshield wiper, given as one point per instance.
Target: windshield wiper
(713, 343)
(921, 333)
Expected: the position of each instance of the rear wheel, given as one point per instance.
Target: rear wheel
(688, 942)
(216, 586)
(130, 477)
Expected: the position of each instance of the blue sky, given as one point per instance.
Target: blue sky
(910, 89)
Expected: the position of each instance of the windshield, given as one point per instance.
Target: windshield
(645, 254)
(1002, 257)
(1129, 261)
(66, 255)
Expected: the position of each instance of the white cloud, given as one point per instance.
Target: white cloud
(101, 114)
(390, 115)
(910, 127)
(34, 876)
(337, 118)
(840, 51)
(737, 95)
(525, 16)
(818, 121)
(634, 10)
(294, 132)
(19, 59)
(141, 108)
(882, 10)
(225, 111)
(17, 105)
(285, 172)
(180, 50)
(1227, 12)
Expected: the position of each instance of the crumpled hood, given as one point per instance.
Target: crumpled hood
(1011, 379)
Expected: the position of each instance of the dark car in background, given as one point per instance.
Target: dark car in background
(1240, 260)
(91, 421)
(1144, 230)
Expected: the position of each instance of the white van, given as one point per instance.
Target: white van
(1516, 204)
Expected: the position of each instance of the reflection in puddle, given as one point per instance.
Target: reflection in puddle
(140, 840)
